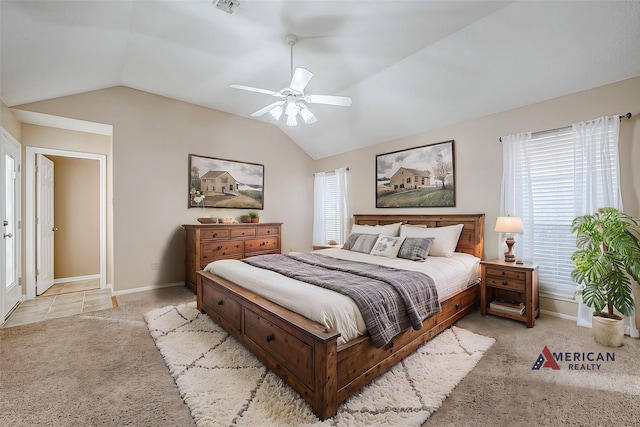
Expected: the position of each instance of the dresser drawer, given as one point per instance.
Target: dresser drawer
(267, 231)
(223, 306)
(211, 251)
(214, 234)
(261, 245)
(243, 232)
(282, 346)
(506, 283)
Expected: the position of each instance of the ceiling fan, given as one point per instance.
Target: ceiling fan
(293, 100)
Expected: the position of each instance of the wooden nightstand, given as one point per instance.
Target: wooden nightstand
(510, 282)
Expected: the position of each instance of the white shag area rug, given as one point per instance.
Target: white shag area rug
(225, 385)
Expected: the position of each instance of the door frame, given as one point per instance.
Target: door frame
(17, 229)
(30, 211)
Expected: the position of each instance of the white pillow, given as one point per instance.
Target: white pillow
(446, 238)
(387, 246)
(388, 230)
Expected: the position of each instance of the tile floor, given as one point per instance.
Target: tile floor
(61, 300)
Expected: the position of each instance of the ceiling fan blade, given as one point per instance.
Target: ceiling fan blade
(255, 89)
(266, 109)
(343, 101)
(300, 79)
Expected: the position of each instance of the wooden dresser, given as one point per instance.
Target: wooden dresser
(205, 243)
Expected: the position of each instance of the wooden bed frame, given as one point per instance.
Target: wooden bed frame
(305, 354)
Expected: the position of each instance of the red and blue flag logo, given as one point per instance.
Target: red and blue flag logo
(545, 360)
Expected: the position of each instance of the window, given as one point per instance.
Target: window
(549, 179)
(331, 207)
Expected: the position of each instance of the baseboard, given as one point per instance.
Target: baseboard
(560, 315)
(76, 278)
(147, 288)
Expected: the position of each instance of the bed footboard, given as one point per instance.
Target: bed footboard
(301, 352)
(305, 354)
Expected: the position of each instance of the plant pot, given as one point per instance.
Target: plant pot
(606, 331)
(245, 219)
(255, 220)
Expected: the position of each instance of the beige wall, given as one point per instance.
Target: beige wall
(478, 156)
(9, 122)
(76, 217)
(478, 152)
(152, 137)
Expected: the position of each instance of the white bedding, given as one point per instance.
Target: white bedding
(331, 309)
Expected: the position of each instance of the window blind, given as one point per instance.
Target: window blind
(553, 160)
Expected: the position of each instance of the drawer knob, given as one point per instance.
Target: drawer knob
(221, 302)
(457, 306)
(269, 338)
(503, 273)
(219, 247)
(505, 283)
(268, 231)
(215, 234)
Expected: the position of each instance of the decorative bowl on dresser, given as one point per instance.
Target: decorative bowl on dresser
(205, 243)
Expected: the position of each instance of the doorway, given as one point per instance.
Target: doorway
(33, 237)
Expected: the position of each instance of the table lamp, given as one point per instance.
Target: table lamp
(509, 225)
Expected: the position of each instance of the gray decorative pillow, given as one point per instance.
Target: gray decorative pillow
(351, 240)
(364, 243)
(416, 248)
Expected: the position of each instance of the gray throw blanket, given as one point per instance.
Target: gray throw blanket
(389, 299)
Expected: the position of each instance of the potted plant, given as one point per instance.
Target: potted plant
(608, 256)
(255, 218)
(245, 218)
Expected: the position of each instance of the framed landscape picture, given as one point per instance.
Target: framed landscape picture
(420, 177)
(220, 183)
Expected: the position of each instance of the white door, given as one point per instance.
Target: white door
(44, 224)
(11, 291)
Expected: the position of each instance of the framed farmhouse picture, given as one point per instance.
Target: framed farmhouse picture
(420, 177)
(220, 183)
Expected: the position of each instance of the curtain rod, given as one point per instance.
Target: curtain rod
(331, 171)
(622, 116)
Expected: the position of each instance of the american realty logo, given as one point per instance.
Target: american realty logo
(575, 360)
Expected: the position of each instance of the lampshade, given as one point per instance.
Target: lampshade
(276, 112)
(509, 224)
(307, 115)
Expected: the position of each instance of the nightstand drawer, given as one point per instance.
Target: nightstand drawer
(508, 274)
(505, 283)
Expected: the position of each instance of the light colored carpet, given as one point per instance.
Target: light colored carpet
(223, 384)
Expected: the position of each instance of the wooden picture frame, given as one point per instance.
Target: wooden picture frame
(419, 177)
(221, 183)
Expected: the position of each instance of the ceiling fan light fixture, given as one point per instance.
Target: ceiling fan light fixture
(276, 112)
(291, 120)
(292, 109)
(293, 98)
(307, 115)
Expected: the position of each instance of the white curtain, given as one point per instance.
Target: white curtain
(516, 197)
(597, 181)
(331, 207)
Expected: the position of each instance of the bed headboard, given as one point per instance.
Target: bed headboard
(471, 240)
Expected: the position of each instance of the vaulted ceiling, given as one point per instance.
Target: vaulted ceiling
(410, 66)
